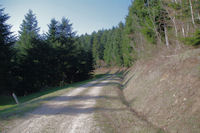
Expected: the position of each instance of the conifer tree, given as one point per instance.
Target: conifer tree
(28, 30)
(6, 53)
(117, 48)
(52, 34)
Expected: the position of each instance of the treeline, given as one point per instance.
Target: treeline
(33, 61)
(150, 23)
(109, 47)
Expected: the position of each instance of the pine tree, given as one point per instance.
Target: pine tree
(6, 53)
(28, 30)
(52, 34)
(36, 69)
(65, 28)
(95, 48)
(117, 47)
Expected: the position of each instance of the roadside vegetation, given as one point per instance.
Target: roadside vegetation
(31, 61)
(10, 111)
(158, 46)
(8, 107)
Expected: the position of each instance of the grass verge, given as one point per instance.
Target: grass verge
(8, 107)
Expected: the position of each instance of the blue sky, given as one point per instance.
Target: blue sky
(86, 15)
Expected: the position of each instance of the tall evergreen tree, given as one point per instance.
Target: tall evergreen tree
(52, 34)
(28, 30)
(6, 53)
(30, 45)
(118, 41)
(95, 47)
(108, 53)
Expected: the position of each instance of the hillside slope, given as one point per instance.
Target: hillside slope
(165, 89)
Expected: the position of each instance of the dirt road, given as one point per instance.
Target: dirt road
(69, 113)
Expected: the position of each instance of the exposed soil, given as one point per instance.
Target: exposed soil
(165, 89)
(122, 118)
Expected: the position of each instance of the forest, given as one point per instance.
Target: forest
(32, 61)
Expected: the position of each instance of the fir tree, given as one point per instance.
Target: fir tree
(28, 30)
(6, 54)
(52, 34)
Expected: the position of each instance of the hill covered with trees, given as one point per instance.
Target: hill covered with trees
(33, 61)
(149, 24)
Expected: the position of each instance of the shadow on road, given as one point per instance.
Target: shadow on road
(70, 110)
(80, 97)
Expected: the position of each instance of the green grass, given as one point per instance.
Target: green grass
(8, 107)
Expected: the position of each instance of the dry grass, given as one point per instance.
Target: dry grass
(120, 119)
(110, 70)
(166, 90)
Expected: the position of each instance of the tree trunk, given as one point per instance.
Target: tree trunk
(198, 16)
(166, 36)
(183, 31)
(187, 30)
(154, 26)
(191, 10)
(176, 31)
(174, 22)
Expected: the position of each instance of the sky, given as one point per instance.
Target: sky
(85, 15)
